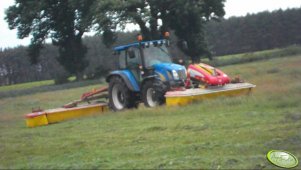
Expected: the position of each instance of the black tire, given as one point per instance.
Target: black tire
(153, 92)
(195, 84)
(120, 96)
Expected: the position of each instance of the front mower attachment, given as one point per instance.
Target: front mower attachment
(180, 98)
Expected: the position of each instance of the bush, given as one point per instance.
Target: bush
(61, 78)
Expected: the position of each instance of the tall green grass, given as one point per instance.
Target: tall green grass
(226, 133)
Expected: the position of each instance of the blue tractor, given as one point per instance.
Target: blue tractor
(145, 73)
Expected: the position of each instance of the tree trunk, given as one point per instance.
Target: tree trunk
(79, 76)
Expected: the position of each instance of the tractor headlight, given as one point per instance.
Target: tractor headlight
(175, 75)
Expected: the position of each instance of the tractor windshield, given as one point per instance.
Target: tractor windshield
(156, 55)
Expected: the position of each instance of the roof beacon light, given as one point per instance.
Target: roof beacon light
(166, 35)
(139, 37)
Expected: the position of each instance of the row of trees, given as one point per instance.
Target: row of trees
(66, 21)
(255, 32)
(235, 35)
(15, 66)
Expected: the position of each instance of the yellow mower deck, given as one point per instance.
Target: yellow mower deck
(61, 114)
(180, 98)
(173, 98)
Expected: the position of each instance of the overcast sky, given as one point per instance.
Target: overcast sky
(232, 8)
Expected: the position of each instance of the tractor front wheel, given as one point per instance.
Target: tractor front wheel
(153, 94)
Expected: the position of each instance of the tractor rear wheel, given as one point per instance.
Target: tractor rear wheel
(120, 96)
(153, 93)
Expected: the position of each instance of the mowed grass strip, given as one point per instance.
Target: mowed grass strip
(30, 85)
(289, 51)
(214, 134)
(43, 86)
(22, 86)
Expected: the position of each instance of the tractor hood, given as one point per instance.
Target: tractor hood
(165, 71)
(168, 67)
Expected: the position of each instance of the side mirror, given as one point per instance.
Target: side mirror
(131, 54)
(116, 52)
(184, 45)
(167, 43)
(155, 43)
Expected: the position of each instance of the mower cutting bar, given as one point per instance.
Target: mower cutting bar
(88, 96)
(61, 114)
(180, 98)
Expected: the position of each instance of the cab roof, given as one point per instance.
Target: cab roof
(124, 47)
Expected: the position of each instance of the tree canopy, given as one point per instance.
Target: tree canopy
(63, 21)
(256, 32)
(154, 17)
(66, 21)
(266, 30)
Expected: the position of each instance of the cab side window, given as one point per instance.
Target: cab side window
(133, 57)
(122, 60)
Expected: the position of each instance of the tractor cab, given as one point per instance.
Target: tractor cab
(150, 59)
(146, 72)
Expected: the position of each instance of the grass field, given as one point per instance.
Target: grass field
(24, 86)
(216, 134)
(289, 51)
(17, 90)
(30, 85)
